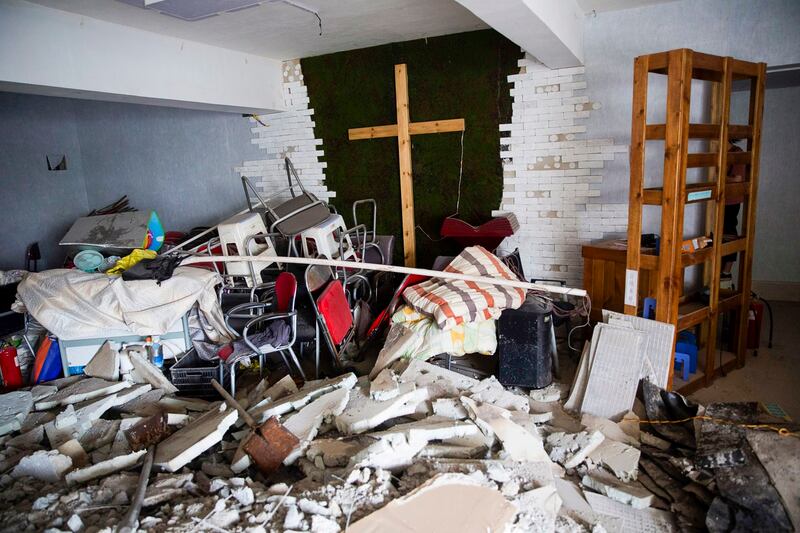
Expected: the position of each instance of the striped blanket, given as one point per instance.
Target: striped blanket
(452, 302)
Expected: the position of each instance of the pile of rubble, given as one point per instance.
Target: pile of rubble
(418, 448)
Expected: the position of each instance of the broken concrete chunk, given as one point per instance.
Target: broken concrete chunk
(75, 524)
(194, 438)
(40, 392)
(144, 405)
(609, 429)
(294, 519)
(385, 386)
(74, 450)
(630, 494)
(81, 391)
(43, 465)
(430, 429)
(104, 364)
(440, 382)
(363, 413)
(306, 422)
(574, 504)
(518, 443)
(570, 450)
(30, 440)
(14, 408)
(449, 408)
(492, 392)
(621, 459)
(146, 372)
(552, 393)
(320, 524)
(304, 396)
(103, 468)
(447, 503)
(66, 418)
(333, 453)
(101, 432)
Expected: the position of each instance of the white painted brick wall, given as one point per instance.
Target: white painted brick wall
(552, 173)
(291, 134)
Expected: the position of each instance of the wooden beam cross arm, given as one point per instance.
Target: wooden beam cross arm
(414, 128)
(403, 130)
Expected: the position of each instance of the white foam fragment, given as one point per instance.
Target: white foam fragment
(194, 438)
(518, 443)
(306, 422)
(385, 386)
(363, 413)
(103, 468)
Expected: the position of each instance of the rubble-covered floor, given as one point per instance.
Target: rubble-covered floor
(418, 449)
(772, 377)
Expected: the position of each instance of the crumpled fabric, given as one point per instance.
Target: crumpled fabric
(77, 305)
(276, 333)
(7, 277)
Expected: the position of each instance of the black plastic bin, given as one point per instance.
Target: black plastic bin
(192, 375)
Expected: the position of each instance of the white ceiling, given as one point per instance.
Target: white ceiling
(280, 31)
(613, 5)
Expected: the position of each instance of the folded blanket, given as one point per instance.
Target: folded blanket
(416, 336)
(452, 302)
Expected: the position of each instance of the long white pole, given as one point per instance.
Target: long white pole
(389, 268)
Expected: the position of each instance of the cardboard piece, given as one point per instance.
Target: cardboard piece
(447, 503)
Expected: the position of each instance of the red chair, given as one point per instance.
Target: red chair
(334, 316)
(258, 315)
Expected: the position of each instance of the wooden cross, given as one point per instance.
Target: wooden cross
(403, 130)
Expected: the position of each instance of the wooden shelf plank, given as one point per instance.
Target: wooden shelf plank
(702, 159)
(692, 313)
(734, 246)
(655, 132)
(695, 192)
(740, 158)
(738, 131)
(728, 302)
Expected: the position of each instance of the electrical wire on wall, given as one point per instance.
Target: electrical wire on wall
(458, 197)
(303, 8)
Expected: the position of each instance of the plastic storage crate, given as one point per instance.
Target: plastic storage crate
(192, 375)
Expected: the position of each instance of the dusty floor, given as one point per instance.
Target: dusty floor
(773, 376)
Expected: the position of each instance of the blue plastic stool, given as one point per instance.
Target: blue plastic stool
(649, 310)
(691, 351)
(683, 359)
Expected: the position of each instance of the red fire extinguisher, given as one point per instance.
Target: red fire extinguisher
(9, 366)
(755, 316)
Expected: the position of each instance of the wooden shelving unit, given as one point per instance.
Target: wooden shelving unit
(665, 270)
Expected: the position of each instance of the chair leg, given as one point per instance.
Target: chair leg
(233, 381)
(286, 361)
(316, 350)
(297, 362)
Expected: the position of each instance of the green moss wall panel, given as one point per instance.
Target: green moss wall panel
(462, 75)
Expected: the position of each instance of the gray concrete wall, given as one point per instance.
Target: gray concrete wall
(36, 204)
(757, 31)
(175, 161)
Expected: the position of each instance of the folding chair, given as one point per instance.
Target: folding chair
(334, 316)
(377, 248)
(288, 217)
(283, 308)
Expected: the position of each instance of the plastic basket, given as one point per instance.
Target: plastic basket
(192, 375)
